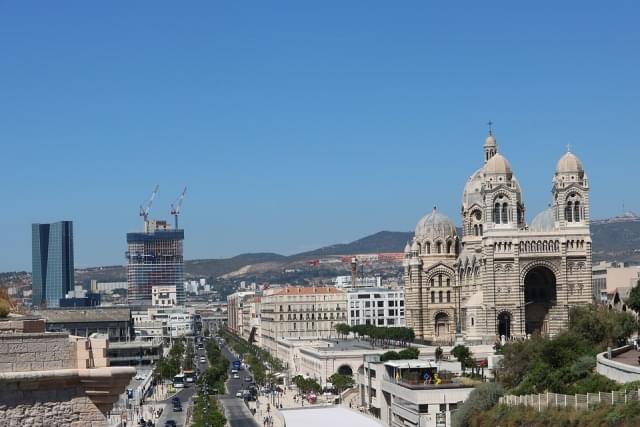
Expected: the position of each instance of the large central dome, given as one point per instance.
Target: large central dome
(435, 225)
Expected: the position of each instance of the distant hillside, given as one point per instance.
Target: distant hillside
(218, 267)
(614, 239)
(382, 241)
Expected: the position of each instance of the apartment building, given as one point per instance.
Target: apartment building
(301, 312)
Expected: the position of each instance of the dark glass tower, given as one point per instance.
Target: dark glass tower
(52, 262)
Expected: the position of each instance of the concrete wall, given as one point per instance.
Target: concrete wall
(617, 371)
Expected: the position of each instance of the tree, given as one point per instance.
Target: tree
(439, 353)
(5, 308)
(342, 329)
(409, 353)
(206, 332)
(341, 382)
(633, 302)
(463, 354)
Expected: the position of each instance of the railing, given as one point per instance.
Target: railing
(576, 401)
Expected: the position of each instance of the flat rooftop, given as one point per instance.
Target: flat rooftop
(84, 315)
(348, 345)
(323, 417)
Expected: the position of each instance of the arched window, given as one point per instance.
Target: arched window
(480, 229)
(440, 280)
(448, 282)
(448, 296)
(505, 220)
(496, 213)
(432, 283)
(576, 211)
(433, 297)
(440, 296)
(428, 247)
(475, 230)
(567, 212)
(439, 247)
(449, 246)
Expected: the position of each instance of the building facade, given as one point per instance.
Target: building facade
(301, 312)
(609, 276)
(163, 296)
(502, 276)
(236, 310)
(375, 306)
(155, 258)
(52, 262)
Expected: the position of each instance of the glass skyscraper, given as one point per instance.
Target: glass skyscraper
(52, 262)
(155, 259)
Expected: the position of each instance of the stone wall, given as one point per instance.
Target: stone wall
(53, 379)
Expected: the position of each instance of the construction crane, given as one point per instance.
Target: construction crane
(144, 210)
(175, 206)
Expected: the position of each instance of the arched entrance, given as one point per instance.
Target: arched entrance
(442, 325)
(504, 324)
(539, 297)
(345, 370)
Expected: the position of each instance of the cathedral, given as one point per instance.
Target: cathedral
(501, 277)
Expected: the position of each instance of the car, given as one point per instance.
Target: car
(248, 379)
(170, 423)
(239, 393)
(177, 406)
(140, 377)
(236, 376)
(176, 400)
(234, 371)
(203, 360)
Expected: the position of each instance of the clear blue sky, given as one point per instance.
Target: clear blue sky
(299, 124)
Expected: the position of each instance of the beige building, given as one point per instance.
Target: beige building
(163, 296)
(502, 276)
(235, 306)
(301, 312)
(609, 276)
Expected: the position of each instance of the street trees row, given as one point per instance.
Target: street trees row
(378, 334)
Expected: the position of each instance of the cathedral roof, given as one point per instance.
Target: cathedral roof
(490, 141)
(544, 221)
(569, 163)
(471, 194)
(435, 225)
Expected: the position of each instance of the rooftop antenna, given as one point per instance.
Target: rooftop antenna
(176, 206)
(144, 210)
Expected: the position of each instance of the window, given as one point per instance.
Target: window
(281, 308)
(380, 303)
(448, 282)
(439, 247)
(294, 326)
(440, 296)
(472, 321)
(496, 213)
(402, 303)
(433, 297)
(440, 280)
(505, 220)
(448, 296)
(568, 212)
(428, 247)
(380, 321)
(443, 407)
(576, 212)
(432, 283)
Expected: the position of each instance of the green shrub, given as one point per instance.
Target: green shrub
(482, 398)
(5, 308)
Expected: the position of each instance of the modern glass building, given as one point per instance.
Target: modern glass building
(52, 262)
(155, 258)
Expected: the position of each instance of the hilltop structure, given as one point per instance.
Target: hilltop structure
(502, 277)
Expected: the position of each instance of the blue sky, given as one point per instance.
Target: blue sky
(300, 124)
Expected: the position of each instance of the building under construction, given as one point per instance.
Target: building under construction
(155, 257)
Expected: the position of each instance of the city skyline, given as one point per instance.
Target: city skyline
(299, 127)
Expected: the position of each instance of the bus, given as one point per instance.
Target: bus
(179, 381)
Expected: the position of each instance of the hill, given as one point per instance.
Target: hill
(380, 242)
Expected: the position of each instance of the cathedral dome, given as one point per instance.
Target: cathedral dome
(498, 165)
(471, 194)
(435, 225)
(544, 221)
(569, 163)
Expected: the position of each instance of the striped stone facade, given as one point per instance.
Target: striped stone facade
(503, 277)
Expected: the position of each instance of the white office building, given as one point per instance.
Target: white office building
(375, 306)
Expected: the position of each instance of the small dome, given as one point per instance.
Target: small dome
(471, 194)
(569, 163)
(415, 247)
(435, 225)
(407, 248)
(544, 221)
(490, 142)
(498, 165)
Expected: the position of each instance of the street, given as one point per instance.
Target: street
(236, 411)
